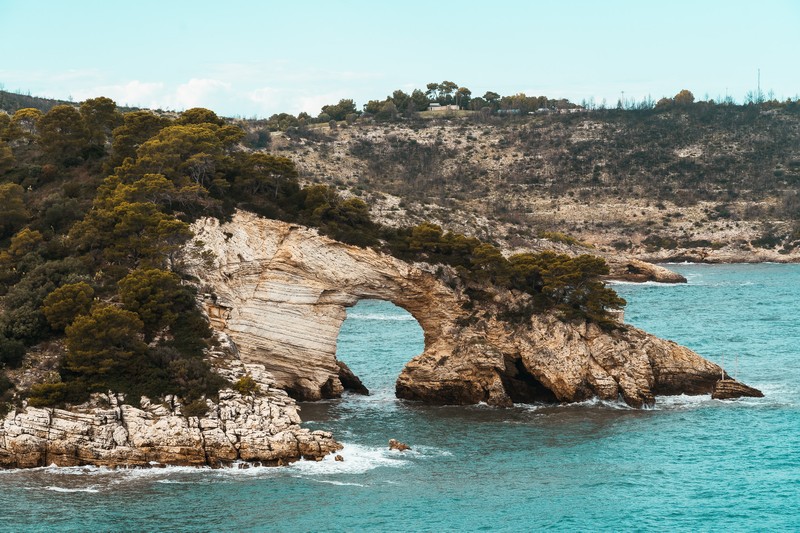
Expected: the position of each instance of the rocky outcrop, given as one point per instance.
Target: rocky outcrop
(395, 444)
(629, 269)
(550, 360)
(280, 292)
(261, 428)
(726, 389)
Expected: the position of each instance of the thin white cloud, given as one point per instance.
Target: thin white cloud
(200, 93)
(268, 96)
(284, 73)
(133, 93)
(312, 104)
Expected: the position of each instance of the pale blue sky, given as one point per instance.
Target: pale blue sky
(252, 58)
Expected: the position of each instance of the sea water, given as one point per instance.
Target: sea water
(691, 463)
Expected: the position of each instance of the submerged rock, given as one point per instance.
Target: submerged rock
(397, 445)
(280, 291)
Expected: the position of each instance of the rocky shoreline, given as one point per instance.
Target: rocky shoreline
(276, 295)
(260, 429)
(723, 256)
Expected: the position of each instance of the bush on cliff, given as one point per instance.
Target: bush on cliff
(570, 286)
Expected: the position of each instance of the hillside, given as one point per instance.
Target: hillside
(11, 102)
(701, 182)
(96, 250)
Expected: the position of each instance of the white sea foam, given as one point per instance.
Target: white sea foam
(376, 316)
(591, 402)
(339, 483)
(358, 459)
(102, 470)
(640, 283)
(63, 489)
(682, 401)
(430, 451)
(597, 402)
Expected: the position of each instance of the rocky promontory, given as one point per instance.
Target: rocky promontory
(259, 428)
(280, 292)
(276, 294)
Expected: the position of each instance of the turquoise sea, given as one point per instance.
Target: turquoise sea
(689, 464)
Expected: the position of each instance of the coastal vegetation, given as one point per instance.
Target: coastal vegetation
(97, 206)
(97, 203)
(717, 176)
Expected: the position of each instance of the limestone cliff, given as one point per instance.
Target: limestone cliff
(261, 428)
(280, 292)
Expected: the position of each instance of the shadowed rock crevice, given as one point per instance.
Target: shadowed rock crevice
(521, 386)
(350, 381)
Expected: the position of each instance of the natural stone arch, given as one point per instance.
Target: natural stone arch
(280, 292)
(394, 338)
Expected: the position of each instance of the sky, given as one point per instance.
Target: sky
(256, 58)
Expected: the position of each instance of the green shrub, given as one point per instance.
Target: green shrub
(246, 385)
(197, 408)
(61, 306)
(6, 394)
(47, 394)
(12, 352)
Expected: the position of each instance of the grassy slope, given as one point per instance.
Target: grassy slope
(712, 182)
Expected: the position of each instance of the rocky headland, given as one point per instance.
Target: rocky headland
(280, 292)
(260, 428)
(276, 294)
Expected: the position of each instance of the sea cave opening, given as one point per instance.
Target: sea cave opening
(376, 341)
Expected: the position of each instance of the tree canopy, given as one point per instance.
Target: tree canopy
(92, 239)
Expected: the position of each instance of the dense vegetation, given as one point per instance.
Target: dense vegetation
(96, 205)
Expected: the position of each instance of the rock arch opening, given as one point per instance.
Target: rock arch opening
(375, 342)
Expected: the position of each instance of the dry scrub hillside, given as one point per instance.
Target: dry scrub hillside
(708, 182)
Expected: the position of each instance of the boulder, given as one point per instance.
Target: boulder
(397, 445)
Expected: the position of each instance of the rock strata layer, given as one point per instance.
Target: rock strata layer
(726, 389)
(261, 428)
(280, 292)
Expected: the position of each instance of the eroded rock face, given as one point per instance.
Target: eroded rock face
(107, 432)
(549, 360)
(280, 292)
(631, 269)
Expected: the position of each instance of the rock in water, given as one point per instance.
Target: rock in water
(350, 381)
(397, 445)
(280, 292)
(728, 389)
